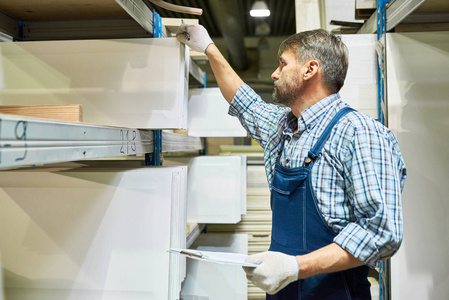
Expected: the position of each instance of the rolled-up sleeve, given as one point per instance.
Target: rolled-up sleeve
(256, 116)
(375, 174)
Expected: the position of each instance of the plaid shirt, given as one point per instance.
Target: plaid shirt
(358, 179)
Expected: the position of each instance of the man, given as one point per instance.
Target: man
(335, 174)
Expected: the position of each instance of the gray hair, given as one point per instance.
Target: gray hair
(327, 48)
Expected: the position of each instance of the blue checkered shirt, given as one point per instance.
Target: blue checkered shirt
(358, 179)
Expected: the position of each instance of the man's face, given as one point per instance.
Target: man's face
(287, 79)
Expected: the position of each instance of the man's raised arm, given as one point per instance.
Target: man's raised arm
(198, 39)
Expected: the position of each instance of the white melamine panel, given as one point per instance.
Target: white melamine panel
(342, 10)
(139, 83)
(215, 190)
(243, 185)
(208, 115)
(418, 114)
(216, 281)
(360, 88)
(92, 234)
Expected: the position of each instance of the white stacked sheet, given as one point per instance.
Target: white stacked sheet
(138, 83)
(208, 115)
(418, 114)
(360, 88)
(213, 280)
(93, 233)
(216, 189)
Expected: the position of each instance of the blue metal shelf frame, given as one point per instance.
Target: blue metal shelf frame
(381, 31)
(384, 268)
(155, 159)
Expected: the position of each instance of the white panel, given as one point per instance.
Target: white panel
(307, 14)
(243, 184)
(92, 234)
(208, 115)
(214, 192)
(217, 281)
(139, 83)
(342, 10)
(360, 88)
(418, 113)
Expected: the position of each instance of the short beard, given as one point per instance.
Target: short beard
(286, 97)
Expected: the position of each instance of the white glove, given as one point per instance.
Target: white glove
(197, 37)
(275, 271)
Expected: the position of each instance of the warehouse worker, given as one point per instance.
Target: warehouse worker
(335, 174)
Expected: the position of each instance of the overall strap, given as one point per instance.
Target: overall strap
(316, 150)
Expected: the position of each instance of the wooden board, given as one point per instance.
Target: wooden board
(50, 10)
(71, 112)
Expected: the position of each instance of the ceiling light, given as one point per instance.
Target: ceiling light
(259, 9)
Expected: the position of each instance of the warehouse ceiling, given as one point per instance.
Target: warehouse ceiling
(281, 21)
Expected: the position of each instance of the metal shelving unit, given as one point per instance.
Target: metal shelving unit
(395, 13)
(32, 20)
(407, 12)
(29, 141)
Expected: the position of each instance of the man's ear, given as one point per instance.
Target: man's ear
(313, 67)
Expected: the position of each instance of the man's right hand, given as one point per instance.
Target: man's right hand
(199, 38)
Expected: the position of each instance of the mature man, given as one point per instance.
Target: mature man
(335, 174)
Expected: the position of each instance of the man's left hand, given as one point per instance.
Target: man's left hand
(275, 271)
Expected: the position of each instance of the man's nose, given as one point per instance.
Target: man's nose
(275, 74)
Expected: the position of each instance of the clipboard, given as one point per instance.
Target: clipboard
(225, 258)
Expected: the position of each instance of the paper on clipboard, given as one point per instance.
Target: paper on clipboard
(237, 259)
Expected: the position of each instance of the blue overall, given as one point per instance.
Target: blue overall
(298, 228)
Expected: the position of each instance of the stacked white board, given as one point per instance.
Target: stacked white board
(418, 114)
(93, 233)
(206, 280)
(360, 88)
(138, 83)
(208, 115)
(216, 189)
(256, 223)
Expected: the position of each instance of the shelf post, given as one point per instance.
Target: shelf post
(156, 158)
(385, 265)
(381, 53)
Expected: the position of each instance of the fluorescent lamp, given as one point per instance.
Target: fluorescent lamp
(259, 9)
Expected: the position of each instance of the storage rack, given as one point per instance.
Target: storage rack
(26, 141)
(29, 141)
(34, 20)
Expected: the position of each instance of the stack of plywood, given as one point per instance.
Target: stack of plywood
(69, 112)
